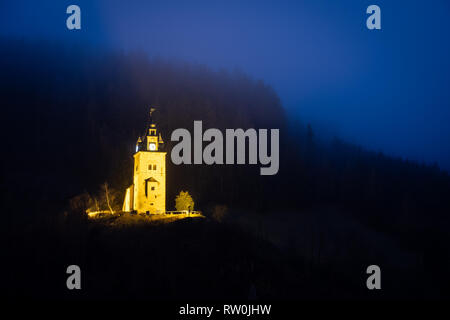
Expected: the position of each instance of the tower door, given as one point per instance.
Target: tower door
(150, 186)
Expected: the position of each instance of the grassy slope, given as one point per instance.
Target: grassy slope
(186, 259)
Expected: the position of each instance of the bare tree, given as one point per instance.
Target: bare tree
(105, 186)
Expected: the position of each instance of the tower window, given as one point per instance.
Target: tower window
(149, 167)
(154, 167)
(153, 188)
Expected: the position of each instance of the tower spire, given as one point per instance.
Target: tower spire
(152, 109)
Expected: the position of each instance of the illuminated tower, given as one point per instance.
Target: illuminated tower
(147, 194)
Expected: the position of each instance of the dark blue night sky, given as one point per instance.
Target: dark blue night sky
(387, 90)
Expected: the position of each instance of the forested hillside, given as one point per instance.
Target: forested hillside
(71, 117)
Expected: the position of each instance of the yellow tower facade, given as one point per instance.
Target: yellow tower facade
(147, 194)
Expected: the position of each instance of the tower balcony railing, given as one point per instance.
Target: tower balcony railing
(186, 212)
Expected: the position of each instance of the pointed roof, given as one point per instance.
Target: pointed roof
(151, 179)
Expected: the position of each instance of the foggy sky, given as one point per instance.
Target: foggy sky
(387, 90)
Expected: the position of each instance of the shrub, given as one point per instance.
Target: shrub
(219, 212)
(184, 201)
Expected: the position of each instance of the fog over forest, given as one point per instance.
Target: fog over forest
(72, 116)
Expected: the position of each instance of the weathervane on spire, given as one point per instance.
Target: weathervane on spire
(151, 117)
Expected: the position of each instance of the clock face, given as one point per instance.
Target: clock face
(152, 146)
